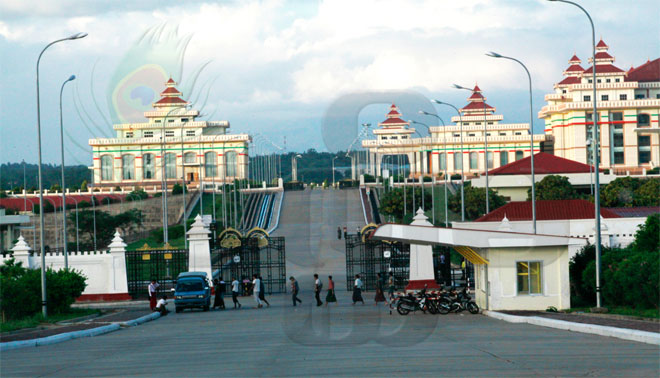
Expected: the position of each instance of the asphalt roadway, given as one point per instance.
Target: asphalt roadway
(309, 221)
(337, 340)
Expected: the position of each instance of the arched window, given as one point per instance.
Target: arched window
(209, 164)
(106, 167)
(128, 167)
(474, 160)
(458, 161)
(231, 163)
(189, 157)
(643, 120)
(148, 166)
(489, 158)
(519, 155)
(170, 165)
(504, 158)
(443, 161)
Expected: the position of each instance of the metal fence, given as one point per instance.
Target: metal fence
(370, 257)
(249, 258)
(164, 266)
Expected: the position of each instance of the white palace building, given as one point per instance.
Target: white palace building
(171, 142)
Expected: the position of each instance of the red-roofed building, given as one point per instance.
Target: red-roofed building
(135, 157)
(627, 102)
(573, 218)
(443, 150)
(514, 179)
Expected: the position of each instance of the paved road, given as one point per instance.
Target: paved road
(340, 340)
(309, 222)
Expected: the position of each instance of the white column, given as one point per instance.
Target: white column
(22, 253)
(199, 251)
(118, 279)
(435, 163)
(421, 260)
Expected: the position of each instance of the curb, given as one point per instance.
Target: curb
(620, 333)
(59, 338)
(140, 320)
(77, 334)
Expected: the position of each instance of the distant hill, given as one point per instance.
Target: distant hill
(11, 175)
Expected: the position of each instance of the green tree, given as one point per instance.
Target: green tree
(475, 202)
(647, 237)
(106, 224)
(553, 187)
(648, 194)
(391, 203)
(83, 186)
(619, 193)
(177, 189)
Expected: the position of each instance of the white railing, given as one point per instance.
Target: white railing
(501, 126)
(452, 140)
(168, 125)
(169, 140)
(582, 105)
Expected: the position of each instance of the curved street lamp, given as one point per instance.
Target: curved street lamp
(531, 131)
(596, 163)
(44, 303)
(66, 254)
(460, 121)
(444, 140)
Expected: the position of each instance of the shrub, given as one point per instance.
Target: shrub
(456, 176)
(177, 189)
(21, 290)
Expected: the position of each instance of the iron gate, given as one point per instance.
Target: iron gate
(369, 257)
(249, 258)
(164, 266)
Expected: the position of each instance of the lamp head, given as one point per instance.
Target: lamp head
(78, 36)
(71, 78)
(366, 124)
(437, 102)
(422, 112)
(459, 87)
(493, 54)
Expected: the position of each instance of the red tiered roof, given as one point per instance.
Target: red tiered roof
(570, 80)
(170, 100)
(170, 91)
(476, 106)
(546, 210)
(602, 44)
(575, 59)
(603, 68)
(544, 163)
(575, 68)
(476, 96)
(603, 55)
(649, 71)
(170, 81)
(395, 120)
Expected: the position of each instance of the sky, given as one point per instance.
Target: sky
(275, 68)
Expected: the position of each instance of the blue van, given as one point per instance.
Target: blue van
(192, 290)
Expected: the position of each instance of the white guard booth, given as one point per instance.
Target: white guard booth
(513, 270)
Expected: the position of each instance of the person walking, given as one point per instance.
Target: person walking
(390, 287)
(219, 300)
(262, 291)
(318, 285)
(380, 285)
(357, 290)
(295, 289)
(235, 289)
(256, 289)
(338, 232)
(153, 287)
(463, 266)
(330, 297)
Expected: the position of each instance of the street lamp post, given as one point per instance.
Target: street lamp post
(444, 140)
(460, 120)
(531, 132)
(595, 153)
(44, 304)
(66, 254)
(485, 145)
(432, 181)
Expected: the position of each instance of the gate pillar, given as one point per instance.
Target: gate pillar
(199, 251)
(119, 278)
(421, 260)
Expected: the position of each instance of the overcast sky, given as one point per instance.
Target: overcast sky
(274, 67)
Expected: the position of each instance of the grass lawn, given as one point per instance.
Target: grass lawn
(35, 320)
(207, 200)
(644, 313)
(176, 243)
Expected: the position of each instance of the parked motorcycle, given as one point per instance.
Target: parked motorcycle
(409, 303)
(457, 302)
